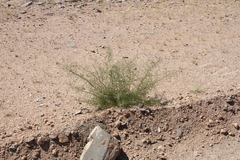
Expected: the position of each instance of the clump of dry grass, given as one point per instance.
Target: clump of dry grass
(113, 84)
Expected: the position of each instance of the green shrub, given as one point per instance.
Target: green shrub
(112, 84)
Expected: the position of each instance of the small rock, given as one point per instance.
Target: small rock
(23, 12)
(116, 135)
(57, 104)
(147, 130)
(179, 133)
(29, 127)
(65, 149)
(78, 112)
(211, 123)
(67, 133)
(161, 148)
(146, 141)
(63, 138)
(231, 134)
(160, 138)
(41, 105)
(220, 118)
(51, 147)
(52, 136)
(42, 114)
(71, 45)
(42, 140)
(36, 154)
(60, 117)
(224, 131)
(26, 4)
(235, 125)
(24, 158)
(12, 148)
(230, 102)
(54, 152)
(117, 124)
(38, 100)
(166, 127)
(163, 102)
(101, 146)
(30, 139)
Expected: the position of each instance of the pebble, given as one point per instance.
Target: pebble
(63, 138)
(146, 141)
(57, 104)
(54, 152)
(23, 12)
(230, 102)
(211, 123)
(42, 140)
(179, 133)
(29, 139)
(116, 134)
(41, 105)
(53, 136)
(24, 158)
(161, 148)
(224, 131)
(231, 134)
(12, 148)
(38, 100)
(235, 125)
(78, 112)
(71, 45)
(26, 4)
(67, 133)
(220, 118)
(118, 124)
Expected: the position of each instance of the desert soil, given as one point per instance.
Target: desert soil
(197, 41)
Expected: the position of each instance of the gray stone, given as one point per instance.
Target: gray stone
(12, 148)
(39, 100)
(179, 133)
(41, 105)
(23, 12)
(71, 45)
(78, 112)
(26, 4)
(100, 146)
(57, 104)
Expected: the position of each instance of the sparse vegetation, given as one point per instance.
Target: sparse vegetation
(119, 83)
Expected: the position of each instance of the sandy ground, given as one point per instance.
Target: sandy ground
(199, 38)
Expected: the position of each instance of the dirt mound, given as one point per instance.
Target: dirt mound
(188, 132)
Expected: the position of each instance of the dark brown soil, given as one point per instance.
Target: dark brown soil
(150, 133)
